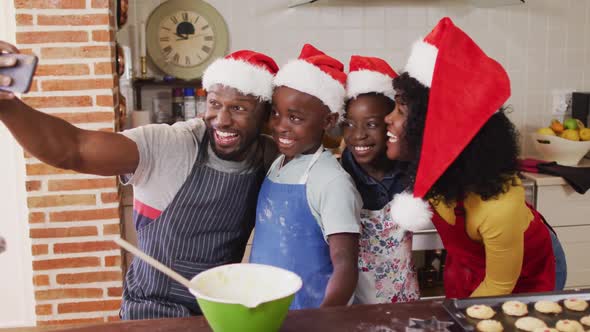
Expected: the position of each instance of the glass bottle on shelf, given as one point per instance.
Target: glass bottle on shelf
(162, 108)
(177, 105)
(201, 102)
(190, 106)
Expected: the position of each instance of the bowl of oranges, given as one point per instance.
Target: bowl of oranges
(565, 143)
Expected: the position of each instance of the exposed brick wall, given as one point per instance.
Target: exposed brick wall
(77, 272)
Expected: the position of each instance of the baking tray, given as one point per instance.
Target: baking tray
(456, 308)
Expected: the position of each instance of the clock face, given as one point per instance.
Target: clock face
(185, 38)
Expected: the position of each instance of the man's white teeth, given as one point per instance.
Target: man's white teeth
(226, 134)
(392, 137)
(361, 148)
(285, 141)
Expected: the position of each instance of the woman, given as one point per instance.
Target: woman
(448, 122)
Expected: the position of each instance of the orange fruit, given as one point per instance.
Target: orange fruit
(557, 126)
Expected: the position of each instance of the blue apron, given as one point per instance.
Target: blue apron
(207, 224)
(287, 235)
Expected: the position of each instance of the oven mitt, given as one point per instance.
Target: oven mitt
(577, 177)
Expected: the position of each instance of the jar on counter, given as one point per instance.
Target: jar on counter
(190, 106)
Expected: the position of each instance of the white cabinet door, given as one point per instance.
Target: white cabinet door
(562, 206)
(569, 214)
(576, 244)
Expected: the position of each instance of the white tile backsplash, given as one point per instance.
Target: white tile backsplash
(543, 44)
(373, 39)
(374, 17)
(330, 16)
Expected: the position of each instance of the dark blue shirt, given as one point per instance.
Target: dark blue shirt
(375, 194)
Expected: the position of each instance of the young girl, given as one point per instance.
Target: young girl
(386, 269)
(449, 123)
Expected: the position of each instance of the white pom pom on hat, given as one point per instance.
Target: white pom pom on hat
(410, 212)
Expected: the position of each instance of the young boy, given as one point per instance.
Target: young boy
(386, 269)
(308, 208)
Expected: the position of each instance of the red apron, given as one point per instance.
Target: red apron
(465, 265)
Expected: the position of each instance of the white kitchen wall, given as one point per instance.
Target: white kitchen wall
(17, 307)
(543, 44)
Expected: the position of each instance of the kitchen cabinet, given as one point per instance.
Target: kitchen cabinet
(568, 212)
(576, 245)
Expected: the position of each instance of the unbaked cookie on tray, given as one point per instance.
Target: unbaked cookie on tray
(566, 325)
(548, 307)
(575, 304)
(515, 308)
(529, 323)
(489, 325)
(480, 311)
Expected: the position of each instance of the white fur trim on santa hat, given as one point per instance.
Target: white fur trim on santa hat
(410, 212)
(421, 62)
(367, 81)
(305, 77)
(241, 75)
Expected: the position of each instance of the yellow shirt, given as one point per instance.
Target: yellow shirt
(499, 224)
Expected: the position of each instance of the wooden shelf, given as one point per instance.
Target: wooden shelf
(138, 84)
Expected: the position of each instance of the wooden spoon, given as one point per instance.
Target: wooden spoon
(154, 263)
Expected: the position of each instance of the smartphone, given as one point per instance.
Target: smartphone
(21, 73)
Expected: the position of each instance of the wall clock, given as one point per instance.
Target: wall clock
(184, 36)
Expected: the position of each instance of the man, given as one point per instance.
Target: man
(195, 183)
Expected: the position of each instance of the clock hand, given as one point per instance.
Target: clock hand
(183, 37)
(195, 36)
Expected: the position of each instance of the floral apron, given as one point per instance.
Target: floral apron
(386, 269)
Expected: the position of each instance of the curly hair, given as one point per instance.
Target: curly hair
(486, 166)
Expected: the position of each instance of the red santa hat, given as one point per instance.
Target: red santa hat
(369, 74)
(466, 88)
(317, 74)
(249, 72)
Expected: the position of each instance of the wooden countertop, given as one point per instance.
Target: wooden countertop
(383, 317)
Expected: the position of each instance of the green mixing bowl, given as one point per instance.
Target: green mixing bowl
(245, 297)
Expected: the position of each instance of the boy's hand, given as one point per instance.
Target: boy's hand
(344, 248)
(6, 62)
